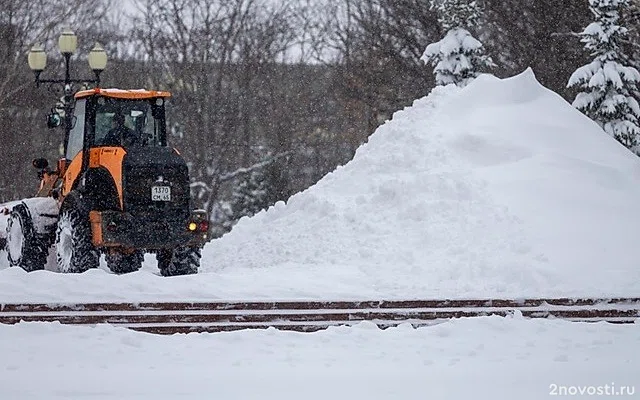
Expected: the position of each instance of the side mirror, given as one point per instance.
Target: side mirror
(40, 163)
(53, 120)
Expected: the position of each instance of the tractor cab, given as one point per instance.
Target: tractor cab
(117, 118)
(113, 120)
(115, 133)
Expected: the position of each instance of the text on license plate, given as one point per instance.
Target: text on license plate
(160, 193)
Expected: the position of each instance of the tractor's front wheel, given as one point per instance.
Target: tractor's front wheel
(25, 247)
(74, 250)
(184, 260)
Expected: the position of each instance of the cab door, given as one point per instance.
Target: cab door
(73, 148)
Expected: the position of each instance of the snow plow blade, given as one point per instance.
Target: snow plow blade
(310, 316)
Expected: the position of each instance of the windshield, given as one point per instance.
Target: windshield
(124, 122)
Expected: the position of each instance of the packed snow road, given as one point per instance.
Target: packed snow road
(480, 358)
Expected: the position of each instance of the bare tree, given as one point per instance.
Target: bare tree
(378, 44)
(22, 107)
(539, 34)
(632, 20)
(211, 55)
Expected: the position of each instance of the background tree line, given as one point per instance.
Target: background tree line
(268, 95)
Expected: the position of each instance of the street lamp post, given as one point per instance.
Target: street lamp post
(67, 44)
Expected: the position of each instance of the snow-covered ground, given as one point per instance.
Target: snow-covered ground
(485, 358)
(501, 189)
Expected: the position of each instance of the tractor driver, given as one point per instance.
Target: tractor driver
(119, 134)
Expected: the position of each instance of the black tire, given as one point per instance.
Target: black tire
(25, 247)
(121, 263)
(180, 261)
(75, 253)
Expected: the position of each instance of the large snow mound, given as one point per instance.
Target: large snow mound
(501, 187)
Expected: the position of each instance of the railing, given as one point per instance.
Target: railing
(309, 316)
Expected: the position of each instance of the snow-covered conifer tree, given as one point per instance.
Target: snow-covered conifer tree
(458, 58)
(608, 83)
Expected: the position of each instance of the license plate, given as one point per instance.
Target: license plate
(160, 193)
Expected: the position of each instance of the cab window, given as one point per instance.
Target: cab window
(76, 135)
(124, 122)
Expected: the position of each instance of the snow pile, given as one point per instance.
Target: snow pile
(498, 188)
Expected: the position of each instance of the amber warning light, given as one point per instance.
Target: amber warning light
(202, 226)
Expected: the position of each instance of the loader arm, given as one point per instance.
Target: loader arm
(47, 183)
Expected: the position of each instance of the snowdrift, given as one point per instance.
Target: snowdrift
(501, 189)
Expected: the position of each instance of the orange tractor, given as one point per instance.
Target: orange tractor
(119, 190)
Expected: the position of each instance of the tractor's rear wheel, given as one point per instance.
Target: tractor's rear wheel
(25, 247)
(184, 260)
(123, 263)
(75, 252)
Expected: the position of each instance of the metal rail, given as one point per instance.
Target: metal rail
(309, 316)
